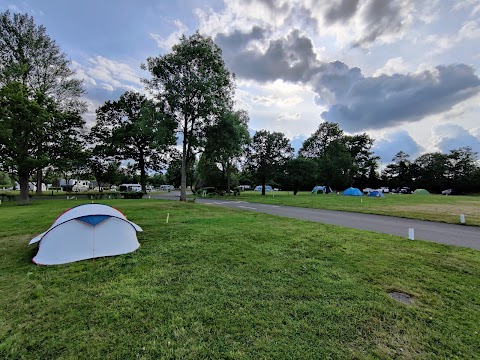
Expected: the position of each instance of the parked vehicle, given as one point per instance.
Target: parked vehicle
(384, 189)
(368, 190)
(167, 187)
(405, 190)
(130, 187)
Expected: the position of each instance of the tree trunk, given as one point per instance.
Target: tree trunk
(24, 195)
(183, 179)
(228, 178)
(264, 180)
(39, 181)
(143, 177)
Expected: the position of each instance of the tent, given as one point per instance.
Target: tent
(376, 193)
(352, 192)
(267, 188)
(85, 232)
(318, 188)
(421, 192)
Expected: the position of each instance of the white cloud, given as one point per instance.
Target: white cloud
(166, 43)
(285, 116)
(450, 136)
(470, 30)
(392, 66)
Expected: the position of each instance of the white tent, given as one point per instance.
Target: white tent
(85, 232)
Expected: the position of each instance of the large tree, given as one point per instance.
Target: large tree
(299, 173)
(335, 157)
(28, 56)
(195, 87)
(29, 133)
(226, 141)
(267, 154)
(136, 128)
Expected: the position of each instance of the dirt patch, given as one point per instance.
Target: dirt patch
(401, 297)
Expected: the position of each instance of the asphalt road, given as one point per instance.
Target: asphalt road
(450, 234)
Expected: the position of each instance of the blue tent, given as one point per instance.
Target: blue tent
(376, 193)
(352, 192)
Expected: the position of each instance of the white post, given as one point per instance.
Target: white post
(462, 218)
(411, 234)
(0, 202)
(361, 200)
(168, 215)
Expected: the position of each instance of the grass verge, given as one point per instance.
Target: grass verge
(422, 207)
(221, 283)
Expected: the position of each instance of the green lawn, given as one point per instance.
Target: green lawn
(423, 207)
(222, 283)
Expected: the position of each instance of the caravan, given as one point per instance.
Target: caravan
(130, 188)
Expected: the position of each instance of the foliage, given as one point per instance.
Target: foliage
(40, 89)
(267, 154)
(5, 180)
(194, 87)
(133, 128)
(226, 141)
(342, 159)
(299, 174)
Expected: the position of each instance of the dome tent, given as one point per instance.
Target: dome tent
(421, 192)
(85, 232)
(352, 192)
(376, 193)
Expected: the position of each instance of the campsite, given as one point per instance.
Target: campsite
(222, 283)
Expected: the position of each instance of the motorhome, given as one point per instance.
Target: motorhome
(130, 187)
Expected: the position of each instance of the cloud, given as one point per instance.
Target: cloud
(386, 19)
(394, 142)
(356, 102)
(285, 116)
(387, 101)
(288, 58)
(452, 136)
(166, 43)
(392, 66)
(341, 11)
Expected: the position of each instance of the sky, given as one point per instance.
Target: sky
(406, 72)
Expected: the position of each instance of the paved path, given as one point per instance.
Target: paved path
(450, 234)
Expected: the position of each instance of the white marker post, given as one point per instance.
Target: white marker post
(462, 218)
(168, 216)
(411, 234)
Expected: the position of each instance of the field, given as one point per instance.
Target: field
(220, 283)
(423, 207)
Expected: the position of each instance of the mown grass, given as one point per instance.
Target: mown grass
(423, 207)
(222, 283)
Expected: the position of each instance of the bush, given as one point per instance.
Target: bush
(132, 194)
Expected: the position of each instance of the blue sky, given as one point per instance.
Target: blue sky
(404, 71)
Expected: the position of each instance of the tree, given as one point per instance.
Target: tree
(195, 87)
(226, 140)
(328, 146)
(430, 171)
(462, 164)
(300, 173)
(28, 57)
(103, 170)
(399, 172)
(266, 155)
(133, 128)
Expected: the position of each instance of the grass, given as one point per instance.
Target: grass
(222, 283)
(423, 207)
